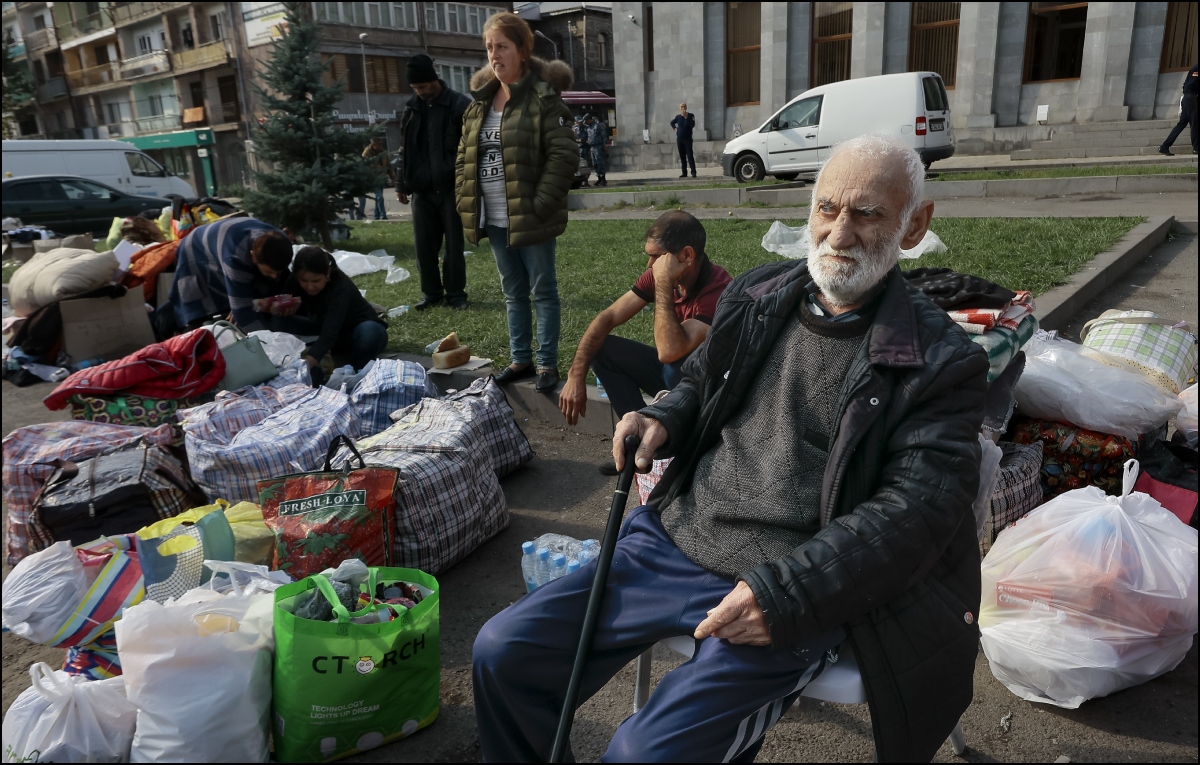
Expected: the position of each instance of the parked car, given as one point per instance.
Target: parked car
(115, 163)
(71, 205)
(912, 106)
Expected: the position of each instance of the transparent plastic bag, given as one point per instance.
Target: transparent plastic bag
(43, 591)
(1063, 381)
(282, 348)
(930, 244)
(354, 264)
(790, 242)
(1089, 594)
(1185, 421)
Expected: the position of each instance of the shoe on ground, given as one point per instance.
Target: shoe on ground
(427, 303)
(510, 375)
(547, 381)
(1166, 152)
(607, 468)
(683, 176)
(693, 175)
(458, 305)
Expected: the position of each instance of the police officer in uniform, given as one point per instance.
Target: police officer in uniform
(581, 138)
(597, 133)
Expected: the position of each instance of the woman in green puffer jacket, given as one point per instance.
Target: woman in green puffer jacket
(514, 170)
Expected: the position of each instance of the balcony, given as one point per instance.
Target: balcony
(69, 134)
(159, 124)
(128, 13)
(51, 89)
(126, 129)
(231, 112)
(145, 65)
(40, 39)
(84, 25)
(94, 78)
(202, 57)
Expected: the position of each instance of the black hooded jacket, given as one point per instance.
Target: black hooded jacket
(428, 165)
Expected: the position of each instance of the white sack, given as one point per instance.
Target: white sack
(43, 591)
(356, 264)
(282, 348)
(56, 275)
(1185, 421)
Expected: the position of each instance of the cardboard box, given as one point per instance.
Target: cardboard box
(106, 328)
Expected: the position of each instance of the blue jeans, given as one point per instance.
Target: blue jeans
(526, 270)
(380, 206)
(717, 706)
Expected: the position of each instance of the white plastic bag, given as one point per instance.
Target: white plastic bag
(1185, 421)
(282, 349)
(989, 473)
(930, 244)
(786, 241)
(354, 264)
(1063, 382)
(199, 671)
(43, 591)
(244, 579)
(397, 274)
(1089, 594)
(65, 718)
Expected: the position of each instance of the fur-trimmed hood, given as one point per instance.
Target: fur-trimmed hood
(556, 74)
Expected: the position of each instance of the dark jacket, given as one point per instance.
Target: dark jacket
(540, 153)
(337, 310)
(897, 559)
(429, 166)
(684, 126)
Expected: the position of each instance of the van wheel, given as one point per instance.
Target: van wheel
(748, 168)
(786, 176)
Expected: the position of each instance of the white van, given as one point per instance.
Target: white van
(798, 137)
(116, 163)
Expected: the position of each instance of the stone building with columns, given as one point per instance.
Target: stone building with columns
(1014, 70)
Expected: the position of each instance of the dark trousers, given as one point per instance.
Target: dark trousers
(716, 707)
(435, 218)
(685, 154)
(1188, 117)
(627, 367)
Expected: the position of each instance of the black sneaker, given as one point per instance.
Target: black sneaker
(1165, 151)
(458, 305)
(547, 381)
(427, 303)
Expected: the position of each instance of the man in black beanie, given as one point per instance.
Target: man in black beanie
(431, 129)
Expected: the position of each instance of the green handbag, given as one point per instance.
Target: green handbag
(246, 363)
(341, 687)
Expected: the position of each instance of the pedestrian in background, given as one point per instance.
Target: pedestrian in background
(1187, 113)
(516, 161)
(377, 158)
(581, 138)
(684, 123)
(431, 130)
(597, 133)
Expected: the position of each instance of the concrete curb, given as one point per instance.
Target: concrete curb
(1057, 306)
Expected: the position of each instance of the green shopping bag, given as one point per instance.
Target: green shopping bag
(341, 687)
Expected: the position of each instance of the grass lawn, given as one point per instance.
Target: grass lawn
(1063, 172)
(599, 260)
(680, 186)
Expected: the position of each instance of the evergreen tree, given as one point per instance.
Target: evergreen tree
(315, 165)
(17, 88)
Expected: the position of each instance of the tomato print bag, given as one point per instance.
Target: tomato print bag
(321, 519)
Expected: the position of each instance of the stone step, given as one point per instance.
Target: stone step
(1084, 153)
(1067, 142)
(1100, 127)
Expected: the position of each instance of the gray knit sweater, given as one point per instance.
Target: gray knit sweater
(756, 494)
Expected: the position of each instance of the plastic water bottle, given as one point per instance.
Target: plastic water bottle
(542, 570)
(573, 566)
(397, 312)
(600, 389)
(589, 551)
(560, 566)
(528, 564)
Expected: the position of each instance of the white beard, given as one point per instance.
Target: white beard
(845, 283)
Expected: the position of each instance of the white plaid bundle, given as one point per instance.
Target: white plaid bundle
(484, 405)
(262, 432)
(390, 384)
(448, 499)
(1163, 350)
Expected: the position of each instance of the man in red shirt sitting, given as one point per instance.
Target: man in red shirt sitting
(684, 286)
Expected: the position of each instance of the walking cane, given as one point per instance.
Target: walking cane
(595, 600)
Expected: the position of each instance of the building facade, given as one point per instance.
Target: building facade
(735, 64)
(180, 80)
(579, 34)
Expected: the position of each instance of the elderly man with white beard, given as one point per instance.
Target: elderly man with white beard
(825, 452)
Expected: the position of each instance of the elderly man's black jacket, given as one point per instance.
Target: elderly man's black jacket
(897, 558)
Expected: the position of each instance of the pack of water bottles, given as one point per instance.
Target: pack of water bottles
(552, 556)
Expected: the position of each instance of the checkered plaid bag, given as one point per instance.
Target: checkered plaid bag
(1018, 488)
(29, 455)
(1162, 349)
(448, 499)
(261, 432)
(485, 405)
(390, 384)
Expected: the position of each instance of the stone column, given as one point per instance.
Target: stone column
(978, 29)
(866, 47)
(773, 70)
(690, 57)
(1107, 40)
(629, 58)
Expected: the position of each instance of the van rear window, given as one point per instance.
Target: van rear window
(935, 95)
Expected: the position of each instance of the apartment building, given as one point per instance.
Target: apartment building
(180, 80)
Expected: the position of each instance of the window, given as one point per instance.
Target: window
(404, 15)
(114, 113)
(38, 191)
(39, 22)
(1054, 41)
(649, 41)
(933, 46)
(217, 24)
(196, 89)
(457, 18)
(101, 54)
(743, 43)
(28, 125)
(91, 8)
(1179, 40)
(935, 95)
(140, 164)
(79, 189)
(383, 73)
(154, 105)
(374, 14)
(832, 26)
(189, 40)
(145, 44)
(602, 46)
(804, 113)
(231, 110)
(456, 77)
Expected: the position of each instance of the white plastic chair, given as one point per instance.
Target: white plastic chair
(840, 683)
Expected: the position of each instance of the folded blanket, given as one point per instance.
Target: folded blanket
(1002, 344)
(976, 321)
